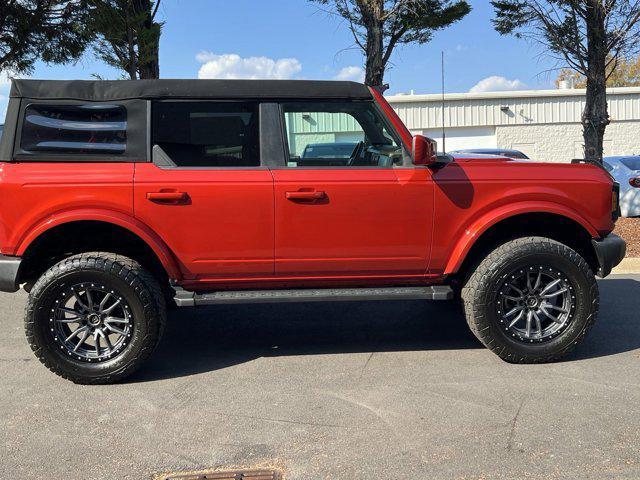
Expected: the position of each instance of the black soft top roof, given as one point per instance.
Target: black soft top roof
(107, 90)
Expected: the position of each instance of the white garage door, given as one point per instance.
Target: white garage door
(463, 138)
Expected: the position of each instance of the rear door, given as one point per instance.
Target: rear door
(369, 214)
(206, 194)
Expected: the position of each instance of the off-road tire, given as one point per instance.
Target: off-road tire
(142, 292)
(480, 294)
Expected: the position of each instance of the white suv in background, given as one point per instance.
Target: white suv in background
(626, 171)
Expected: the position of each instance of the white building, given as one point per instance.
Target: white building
(544, 124)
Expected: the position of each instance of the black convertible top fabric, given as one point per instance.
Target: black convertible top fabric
(106, 90)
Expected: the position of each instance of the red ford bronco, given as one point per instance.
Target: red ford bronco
(120, 198)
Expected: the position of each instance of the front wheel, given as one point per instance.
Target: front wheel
(95, 317)
(531, 300)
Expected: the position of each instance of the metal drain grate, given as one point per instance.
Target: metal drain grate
(228, 475)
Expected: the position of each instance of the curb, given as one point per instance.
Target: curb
(628, 265)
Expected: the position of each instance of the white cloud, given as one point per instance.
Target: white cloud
(4, 79)
(497, 84)
(232, 66)
(355, 74)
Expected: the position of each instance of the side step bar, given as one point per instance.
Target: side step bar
(185, 298)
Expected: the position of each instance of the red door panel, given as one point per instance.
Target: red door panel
(218, 222)
(352, 221)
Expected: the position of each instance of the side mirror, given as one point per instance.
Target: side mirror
(424, 150)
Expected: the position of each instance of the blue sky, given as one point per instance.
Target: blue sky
(294, 39)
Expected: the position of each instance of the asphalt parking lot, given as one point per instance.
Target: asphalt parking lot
(333, 391)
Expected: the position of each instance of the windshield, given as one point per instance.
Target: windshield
(632, 163)
(514, 154)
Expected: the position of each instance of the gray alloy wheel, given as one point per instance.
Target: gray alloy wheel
(91, 322)
(535, 303)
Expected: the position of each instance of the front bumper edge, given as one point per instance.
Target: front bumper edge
(9, 270)
(610, 251)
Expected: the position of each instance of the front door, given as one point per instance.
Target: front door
(349, 203)
(206, 194)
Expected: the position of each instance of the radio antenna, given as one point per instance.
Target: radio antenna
(444, 133)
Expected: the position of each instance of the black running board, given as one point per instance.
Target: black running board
(185, 298)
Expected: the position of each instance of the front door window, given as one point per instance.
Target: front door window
(340, 134)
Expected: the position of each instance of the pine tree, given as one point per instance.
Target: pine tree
(379, 26)
(50, 30)
(127, 36)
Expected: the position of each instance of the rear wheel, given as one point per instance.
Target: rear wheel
(95, 317)
(531, 300)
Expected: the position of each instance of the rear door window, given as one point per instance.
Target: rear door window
(207, 134)
(88, 129)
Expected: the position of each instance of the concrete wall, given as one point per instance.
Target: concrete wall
(462, 138)
(563, 142)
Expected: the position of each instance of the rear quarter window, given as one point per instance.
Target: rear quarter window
(83, 129)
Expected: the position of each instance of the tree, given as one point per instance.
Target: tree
(378, 26)
(625, 74)
(51, 30)
(127, 37)
(590, 36)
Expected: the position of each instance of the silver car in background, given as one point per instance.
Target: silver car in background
(626, 171)
(500, 152)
